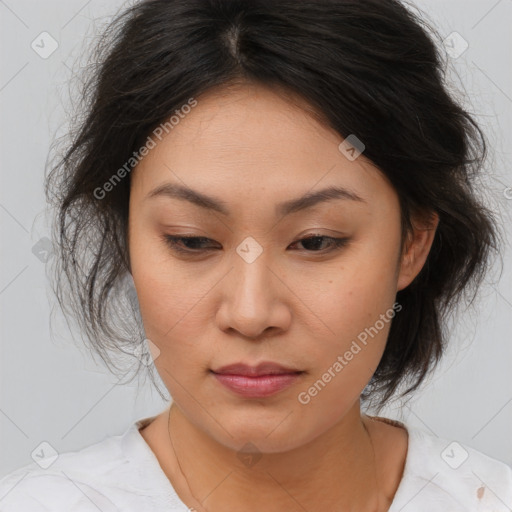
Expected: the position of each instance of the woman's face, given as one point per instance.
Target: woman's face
(249, 290)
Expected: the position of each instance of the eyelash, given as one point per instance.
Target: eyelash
(170, 240)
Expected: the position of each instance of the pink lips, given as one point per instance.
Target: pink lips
(258, 381)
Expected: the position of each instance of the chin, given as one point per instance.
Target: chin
(268, 434)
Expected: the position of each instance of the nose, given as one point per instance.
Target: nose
(255, 300)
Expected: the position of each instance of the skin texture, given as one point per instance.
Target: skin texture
(297, 305)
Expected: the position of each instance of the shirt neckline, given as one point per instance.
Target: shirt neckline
(136, 449)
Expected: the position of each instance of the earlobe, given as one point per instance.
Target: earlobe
(417, 247)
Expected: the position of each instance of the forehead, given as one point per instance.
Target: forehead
(248, 142)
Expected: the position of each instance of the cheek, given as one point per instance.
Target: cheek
(357, 307)
(173, 321)
(170, 299)
(359, 290)
(344, 367)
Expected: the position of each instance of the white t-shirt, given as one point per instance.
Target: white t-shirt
(122, 474)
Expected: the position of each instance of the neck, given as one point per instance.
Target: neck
(335, 471)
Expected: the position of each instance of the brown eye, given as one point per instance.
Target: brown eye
(197, 245)
(187, 244)
(314, 243)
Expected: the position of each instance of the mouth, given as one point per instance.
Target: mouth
(259, 381)
(263, 368)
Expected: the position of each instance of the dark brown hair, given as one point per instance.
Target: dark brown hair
(365, 67)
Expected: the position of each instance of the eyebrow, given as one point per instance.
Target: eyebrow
(308, 200)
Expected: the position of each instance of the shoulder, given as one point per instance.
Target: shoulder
(81, 480)
(446, 473)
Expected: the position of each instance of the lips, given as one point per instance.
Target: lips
(260, 381)
(264, 368)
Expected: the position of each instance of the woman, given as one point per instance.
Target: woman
(288, 185)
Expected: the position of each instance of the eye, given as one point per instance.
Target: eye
(197, 245)
(314, 241)
(193, 244)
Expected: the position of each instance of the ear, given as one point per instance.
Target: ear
(416, 249)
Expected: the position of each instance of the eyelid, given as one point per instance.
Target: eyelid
(171, 240)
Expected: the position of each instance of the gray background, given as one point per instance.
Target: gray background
(51, 390)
